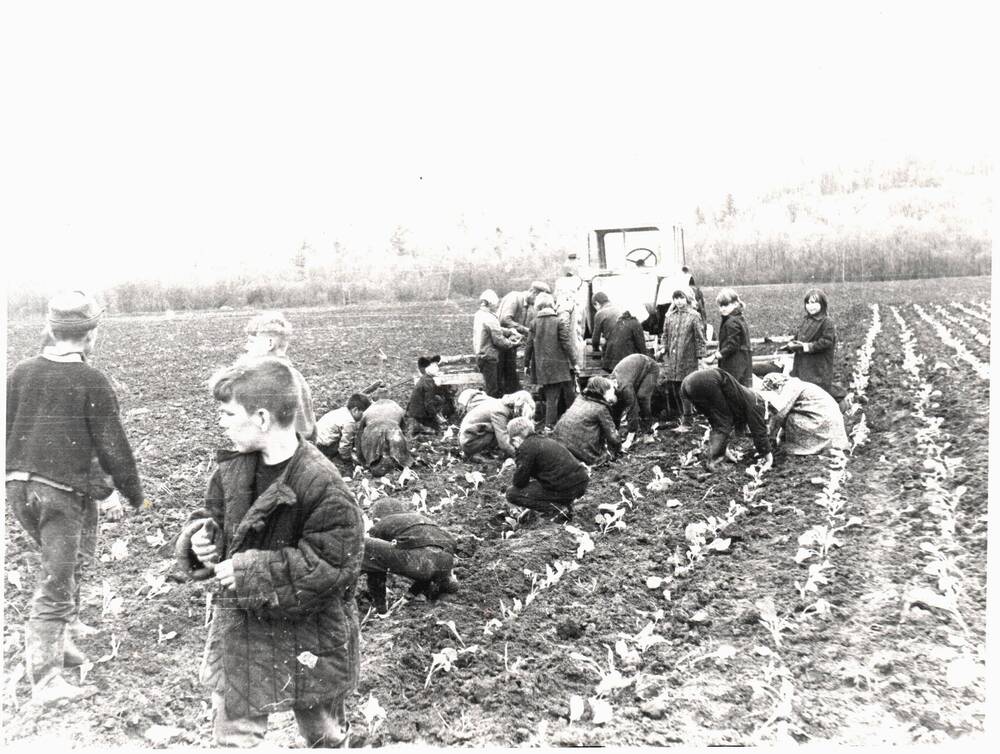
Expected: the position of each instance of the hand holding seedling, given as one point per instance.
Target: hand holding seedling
(203, 547)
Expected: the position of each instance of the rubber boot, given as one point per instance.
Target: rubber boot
(43, 656)
(447, 583)
(72, 654)
(716, 449)
(376, 590)
(78, 629)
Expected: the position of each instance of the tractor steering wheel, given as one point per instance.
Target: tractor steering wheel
(640, 255)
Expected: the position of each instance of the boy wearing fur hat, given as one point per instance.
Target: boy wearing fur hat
(410, 544)
(282, 536)
(335, 429)
(424, 408)
(61, 415)
(268, 334)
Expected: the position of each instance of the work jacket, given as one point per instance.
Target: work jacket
(549, 350)
(287, 635)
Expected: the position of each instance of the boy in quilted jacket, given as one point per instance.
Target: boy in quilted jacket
(283, 538)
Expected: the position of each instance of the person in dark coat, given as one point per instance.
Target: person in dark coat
(547, 477)
(815, 342)
(423, 410)
(726, 404)
(548, 358)
(606, 317)
(735, 354)
(64, 432)
(379, 441)
(625, 339)
(283, 538)
(635, 378)
(587, 429)
(407, 543)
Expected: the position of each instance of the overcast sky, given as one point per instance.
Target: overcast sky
(150, 138)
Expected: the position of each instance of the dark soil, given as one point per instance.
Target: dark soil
(872, 670)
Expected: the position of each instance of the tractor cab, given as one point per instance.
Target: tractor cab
(629, 265)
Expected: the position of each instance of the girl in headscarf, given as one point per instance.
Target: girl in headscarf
(587, 429)
(815, 342)
(808, 414)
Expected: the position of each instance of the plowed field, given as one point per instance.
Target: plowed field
(824, 601)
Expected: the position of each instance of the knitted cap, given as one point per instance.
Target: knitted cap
(74, 310)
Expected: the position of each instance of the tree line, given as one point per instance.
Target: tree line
(910, 220)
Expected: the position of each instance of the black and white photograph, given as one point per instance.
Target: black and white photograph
(496, 375)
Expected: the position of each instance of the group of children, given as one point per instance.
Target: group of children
(281, 537)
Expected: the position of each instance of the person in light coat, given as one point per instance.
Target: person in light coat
(484, 420)
(682, 345)
(809, 416)
(490, 341)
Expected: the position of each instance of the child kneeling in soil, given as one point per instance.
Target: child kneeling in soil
(379, 441)
(335, 430)
(547, 478)
(283, 537)
(409, 544)
(424, 409)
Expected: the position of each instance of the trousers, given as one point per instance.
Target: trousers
(476, 438)
(489, 368)
(419, 563)
(536, 496)
(324, 726)
(507, 377)
(64, 526)
(636, 404)
(677, 405)
(553, 393)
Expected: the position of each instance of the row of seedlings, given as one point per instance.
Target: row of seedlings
(977, 313)
(981, 368)
(942, 499)
(819, 541)
(970, 328)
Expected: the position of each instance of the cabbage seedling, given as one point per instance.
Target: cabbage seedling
(374, 714)
(770, 619)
